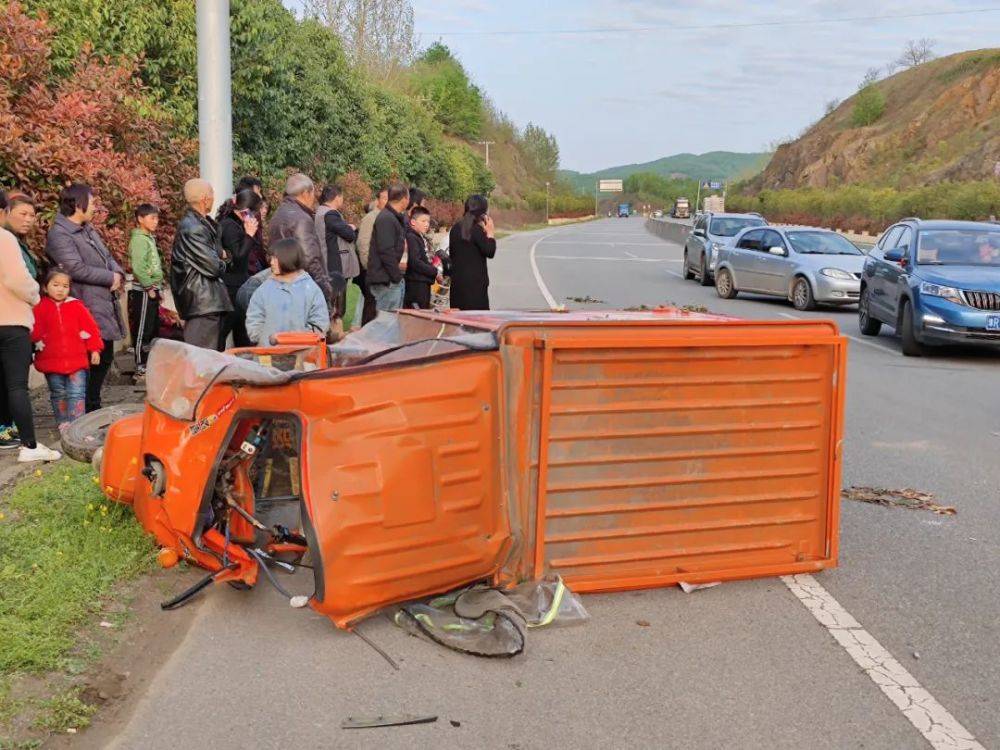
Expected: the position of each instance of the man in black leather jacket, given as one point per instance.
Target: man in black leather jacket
(196, 269)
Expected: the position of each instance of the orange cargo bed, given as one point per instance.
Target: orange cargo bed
(618, 450)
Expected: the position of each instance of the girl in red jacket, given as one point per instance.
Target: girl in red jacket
(67, 341)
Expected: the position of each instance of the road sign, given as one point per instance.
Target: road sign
(609, 186)
(715, 186)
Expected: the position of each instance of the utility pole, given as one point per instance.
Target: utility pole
(215, 97)
(546, 202)
(487, 144)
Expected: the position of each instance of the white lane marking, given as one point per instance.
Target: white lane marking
(855, 339)
(932, 720)
(678, 275)
(607, 257)
(606, 244)
(549, 299)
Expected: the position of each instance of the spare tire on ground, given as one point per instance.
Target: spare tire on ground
(86, 434)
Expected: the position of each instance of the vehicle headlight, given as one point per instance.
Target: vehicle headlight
(945, 292)
(836, 273)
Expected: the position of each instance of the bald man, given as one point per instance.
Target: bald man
(196, 270)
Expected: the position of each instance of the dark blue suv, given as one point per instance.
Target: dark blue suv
(934, 282)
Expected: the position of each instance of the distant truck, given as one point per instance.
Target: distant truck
(715, 204)
(624, 210)
(681, 209)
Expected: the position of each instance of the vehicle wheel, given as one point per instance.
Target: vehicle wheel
(911, 347)
(802, 295)
(86, 434)
(704, 279)
(724, 285)
(688, 273)
(868, 325)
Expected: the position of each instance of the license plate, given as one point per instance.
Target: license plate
(993, 322)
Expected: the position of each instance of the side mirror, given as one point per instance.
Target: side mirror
(699, 232)
(897, 255)
(778, 251)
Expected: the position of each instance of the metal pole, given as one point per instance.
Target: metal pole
(697, 201)
(546, 203)
(597, 187)
(215, 97)
(487, 144)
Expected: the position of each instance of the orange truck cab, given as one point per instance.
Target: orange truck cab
(619, 450)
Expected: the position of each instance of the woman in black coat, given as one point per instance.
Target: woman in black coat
(239, 247)
(470, 244)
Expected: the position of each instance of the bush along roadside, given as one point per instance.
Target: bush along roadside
(866, 208)
(63, 551)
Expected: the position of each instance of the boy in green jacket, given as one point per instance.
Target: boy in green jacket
(144, 296)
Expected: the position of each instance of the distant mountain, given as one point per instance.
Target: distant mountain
(715, 165)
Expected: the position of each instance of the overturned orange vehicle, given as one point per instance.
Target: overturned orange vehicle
(618, 450)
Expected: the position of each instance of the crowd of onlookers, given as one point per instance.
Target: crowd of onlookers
(240, 275)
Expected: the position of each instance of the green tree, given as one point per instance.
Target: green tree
(542, 149)
(442, 84)
(869, 106)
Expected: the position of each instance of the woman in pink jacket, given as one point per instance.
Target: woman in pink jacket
(18, 294)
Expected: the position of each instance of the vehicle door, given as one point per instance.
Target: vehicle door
(696, 243)
(743, 257)
(403, 477)
(774, 271)
(875, 273)
(897, 273)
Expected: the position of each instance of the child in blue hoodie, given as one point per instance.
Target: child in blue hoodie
(288, 301)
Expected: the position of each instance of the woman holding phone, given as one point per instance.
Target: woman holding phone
(471, 243)
(239, 241)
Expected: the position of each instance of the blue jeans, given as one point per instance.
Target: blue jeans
(388, 297)
(68, 394)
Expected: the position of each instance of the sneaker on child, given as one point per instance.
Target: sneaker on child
(38, 453)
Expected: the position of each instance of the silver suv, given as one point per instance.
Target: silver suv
(711, 233)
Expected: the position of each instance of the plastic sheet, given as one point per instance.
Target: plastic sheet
(178, 374)
(399, 338)
(488, 622)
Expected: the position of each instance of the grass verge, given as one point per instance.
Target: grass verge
(63, 548)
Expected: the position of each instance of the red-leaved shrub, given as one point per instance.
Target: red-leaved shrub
(97, 126)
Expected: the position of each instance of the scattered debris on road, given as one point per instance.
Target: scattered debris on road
(694, 308)
(587, 300)
(903, 498)
(399, 720)
(688, 588)
(483, 621)
(642, 623)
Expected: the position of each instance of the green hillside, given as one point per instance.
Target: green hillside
(714, 165)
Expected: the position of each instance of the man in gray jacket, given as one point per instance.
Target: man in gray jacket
(296, 218)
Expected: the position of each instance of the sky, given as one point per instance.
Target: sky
(625, 81)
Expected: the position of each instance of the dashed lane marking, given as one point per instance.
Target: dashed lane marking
(942, 730)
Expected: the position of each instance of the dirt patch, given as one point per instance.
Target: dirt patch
(133, 654)
(903, 498)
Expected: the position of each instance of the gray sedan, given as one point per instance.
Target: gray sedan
(805, 265)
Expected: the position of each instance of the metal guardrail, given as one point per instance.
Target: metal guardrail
(676, 230)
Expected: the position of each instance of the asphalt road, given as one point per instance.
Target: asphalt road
(740, 665)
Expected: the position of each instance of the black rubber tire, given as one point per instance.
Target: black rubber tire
(802, 295)
(868, 325)
(86, 434)
(724, 285)
(911, 347)
(704, 279)
(688, 273)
